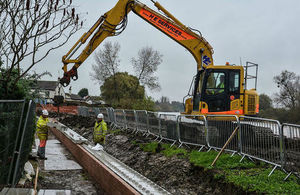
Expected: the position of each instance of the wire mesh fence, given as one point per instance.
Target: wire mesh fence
(120, 118)
(168, 127)
(261, 139)
(154, 123)
(130, 119)
(104, 111)
(291, 142)
(17, 127)
(142, 121)
(256, 138)
(193, 130)
(83, 111)
(220, 128)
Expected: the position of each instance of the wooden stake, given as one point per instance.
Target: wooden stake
(35, 181)
(227, 142)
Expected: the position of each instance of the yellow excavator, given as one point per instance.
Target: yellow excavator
(215, 89)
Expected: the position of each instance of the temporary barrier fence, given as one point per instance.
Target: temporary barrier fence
(25, 142)
(104, 111)
(168, 127)
(291, 142)
(131, 118)
(262, 140)
(220, 127)
(153, 124)
(192, 130)
(120, 118)
(142, 121)
(17, 126)
(83, 111)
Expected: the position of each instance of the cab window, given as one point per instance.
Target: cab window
(234, 82)
(215, 83)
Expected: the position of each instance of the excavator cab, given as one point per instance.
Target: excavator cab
(221, 90)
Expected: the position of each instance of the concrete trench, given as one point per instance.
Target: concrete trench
(111, 175)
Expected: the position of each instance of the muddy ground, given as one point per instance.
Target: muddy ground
(175, 174)
(78, 181)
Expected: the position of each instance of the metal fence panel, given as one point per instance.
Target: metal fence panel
(220, 127)
(130, 119)
(291, 134)
(111, 115)
(168, 127)
(192, 130)
(83, 111)
(11, 113)
(142, 120)
(104, 111)
(261, 139)
(25, 143)
(120, 118)
(17, 127)
(153, 122)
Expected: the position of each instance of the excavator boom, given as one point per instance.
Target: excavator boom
(114, 22)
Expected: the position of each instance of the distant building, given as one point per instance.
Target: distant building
(46, 91)
(95, 100)
(73, 97)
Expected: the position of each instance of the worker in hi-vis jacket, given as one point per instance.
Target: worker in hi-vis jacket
(100, 130)
(42, 133)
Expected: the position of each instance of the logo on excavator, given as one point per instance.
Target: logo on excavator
(206, 60)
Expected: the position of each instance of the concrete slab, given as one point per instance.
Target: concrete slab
(25, 191)
(56, 157)
(54, 192)
(19, 191)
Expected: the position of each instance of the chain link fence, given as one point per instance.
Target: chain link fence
(17, 127)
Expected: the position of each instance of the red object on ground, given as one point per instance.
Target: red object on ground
(62, 109)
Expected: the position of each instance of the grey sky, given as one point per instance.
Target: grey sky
(261, 31)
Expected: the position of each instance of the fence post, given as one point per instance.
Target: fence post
(282, 148)
(178, 128)
(21, 144)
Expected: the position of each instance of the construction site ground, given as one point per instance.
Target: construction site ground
(176, 174)
(74, 179)
(60, 172)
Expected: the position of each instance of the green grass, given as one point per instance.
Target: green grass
(247, 175)
(171, 151)
(257, 180)
(149, 147)
(226, 161)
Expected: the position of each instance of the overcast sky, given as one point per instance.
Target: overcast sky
(266, 32)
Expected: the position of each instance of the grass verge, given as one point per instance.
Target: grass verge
(250, 176)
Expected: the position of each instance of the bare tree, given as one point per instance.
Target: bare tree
(31, 29)
(289, 85)
(107, 62)
(146, 65)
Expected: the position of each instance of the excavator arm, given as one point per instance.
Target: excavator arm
(114, 22)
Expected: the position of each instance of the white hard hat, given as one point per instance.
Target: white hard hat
(45, 112)
(100, 115)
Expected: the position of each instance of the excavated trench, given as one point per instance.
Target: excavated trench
(175, 174)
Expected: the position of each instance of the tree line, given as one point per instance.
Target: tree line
(284, 105)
